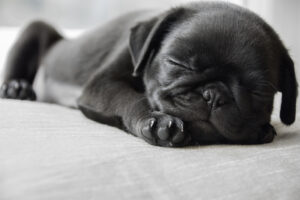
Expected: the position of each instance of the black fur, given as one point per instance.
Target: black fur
(199, 73)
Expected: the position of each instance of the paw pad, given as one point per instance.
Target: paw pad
(164, 130)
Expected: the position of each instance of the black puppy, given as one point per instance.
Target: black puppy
(203, 72)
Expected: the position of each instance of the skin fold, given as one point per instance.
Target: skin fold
(201, 73)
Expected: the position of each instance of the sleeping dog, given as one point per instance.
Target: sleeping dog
(200, 73)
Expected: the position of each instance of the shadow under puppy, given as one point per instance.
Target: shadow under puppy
(199, 73)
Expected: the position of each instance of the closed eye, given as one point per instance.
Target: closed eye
(177, 63)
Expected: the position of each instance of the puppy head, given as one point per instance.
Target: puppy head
(217, 67)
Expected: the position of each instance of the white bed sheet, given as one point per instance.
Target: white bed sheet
(52, 152)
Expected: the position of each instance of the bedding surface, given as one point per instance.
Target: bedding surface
(51, 152)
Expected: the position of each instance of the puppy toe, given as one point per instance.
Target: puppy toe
(178, 138)
(3, 90)
(23, 95)
(11, 93)
(163, 132)
(148, 129)
(178, 132)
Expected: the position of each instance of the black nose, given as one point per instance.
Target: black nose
(214, 97)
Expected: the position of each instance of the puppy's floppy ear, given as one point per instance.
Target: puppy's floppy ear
(145, 38)
(288, 86)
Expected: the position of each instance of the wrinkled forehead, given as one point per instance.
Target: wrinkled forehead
(191, 40)
(212, 43)
(197, 31)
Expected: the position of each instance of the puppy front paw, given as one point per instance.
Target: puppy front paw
(164, 130)
(17, 89)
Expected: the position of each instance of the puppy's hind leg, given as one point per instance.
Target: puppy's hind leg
(24, 59)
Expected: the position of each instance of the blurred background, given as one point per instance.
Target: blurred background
(75, 13)
(73, 16)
